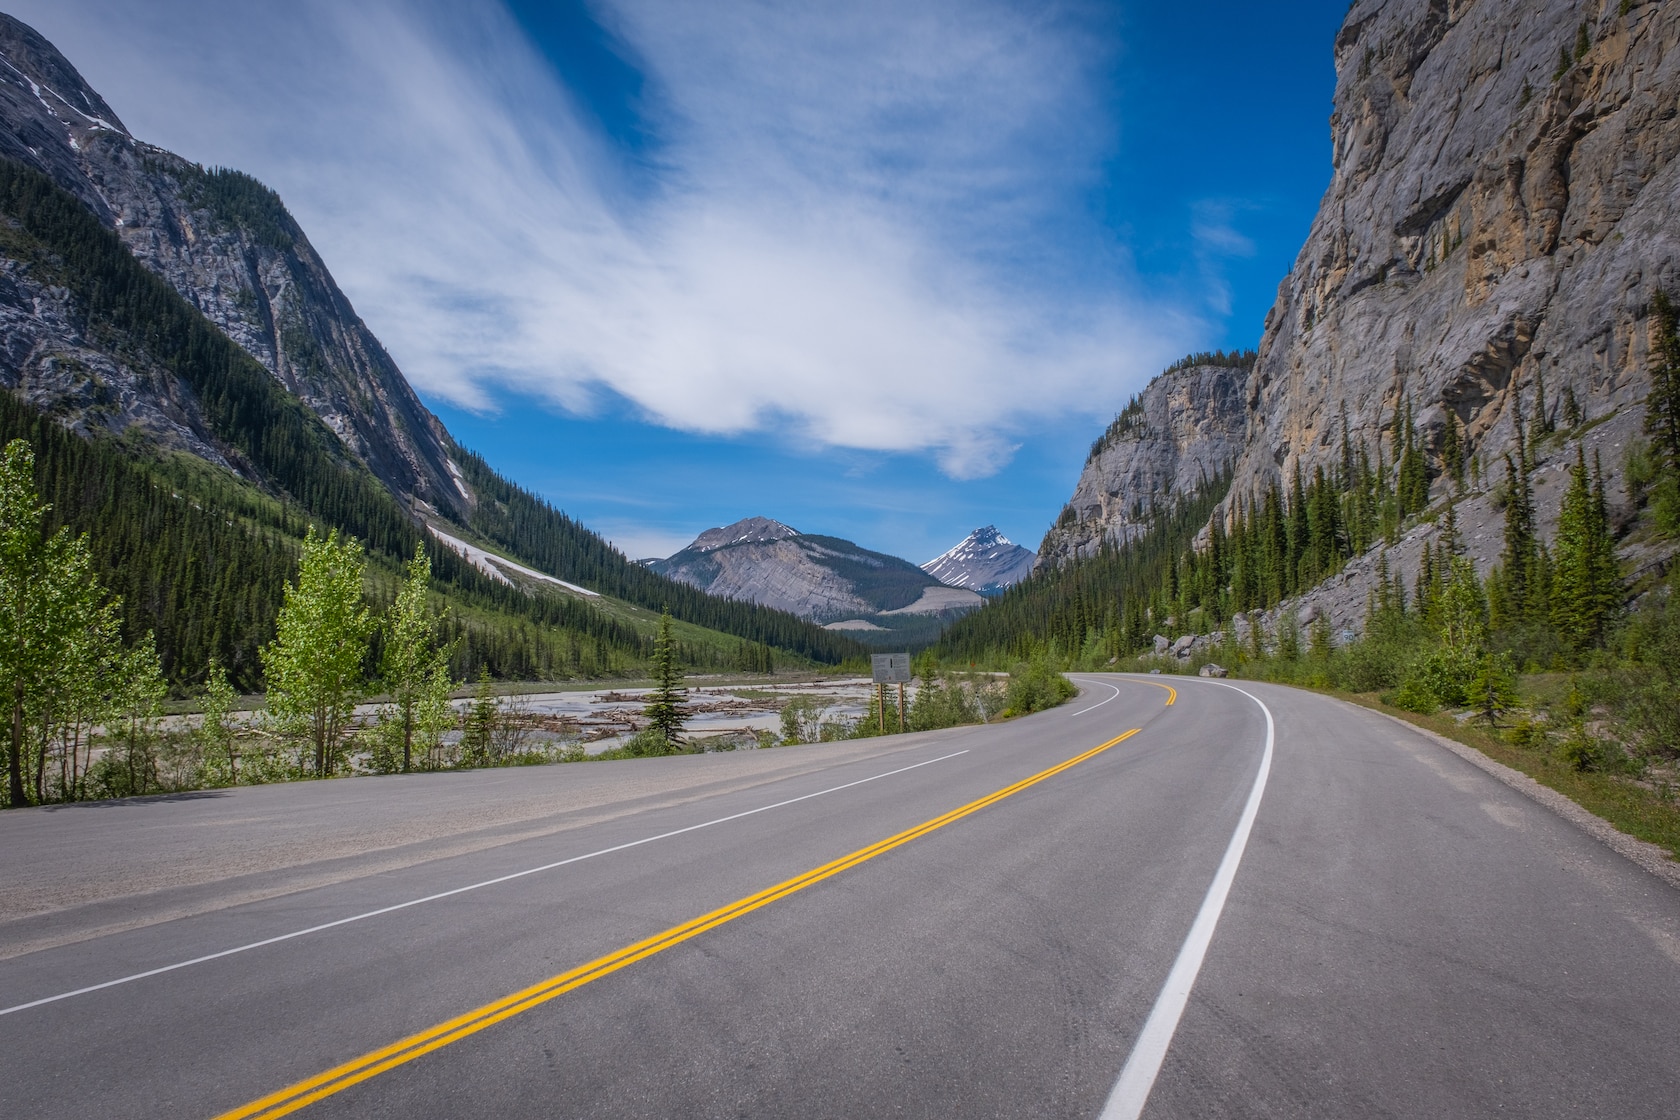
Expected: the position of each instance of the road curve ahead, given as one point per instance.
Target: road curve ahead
(1168, 898)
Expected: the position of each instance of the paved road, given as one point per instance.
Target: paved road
(1403, 935)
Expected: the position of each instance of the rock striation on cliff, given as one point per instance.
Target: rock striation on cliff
(229, 247)
(1499, 216)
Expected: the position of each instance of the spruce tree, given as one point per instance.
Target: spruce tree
(1662, 406)
(1517, 563)
(1586, 584)
(1452, 450)
(666, 707)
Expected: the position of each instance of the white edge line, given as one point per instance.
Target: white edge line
(1131, 1090)
(1100, 703)
(463, 890)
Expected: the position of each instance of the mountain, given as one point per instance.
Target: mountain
(825, 579)
(1185, 429)
(226, 397)
(228, 246)
(1499, 220)
(985, 561)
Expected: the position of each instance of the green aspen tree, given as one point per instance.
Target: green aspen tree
(414, 667)
(216, 739)
(314, 664)
(52, 626)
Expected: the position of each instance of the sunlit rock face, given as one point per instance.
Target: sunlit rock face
(1500, 212)
(229, 247)
(1496, 218)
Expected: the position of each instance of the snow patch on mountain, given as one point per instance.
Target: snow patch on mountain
(985, 561)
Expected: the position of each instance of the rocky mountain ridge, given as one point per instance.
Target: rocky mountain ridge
(1499, 217)
(229, 247)
(985, 561)
(825, 579)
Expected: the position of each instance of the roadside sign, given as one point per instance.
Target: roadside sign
(890, 668)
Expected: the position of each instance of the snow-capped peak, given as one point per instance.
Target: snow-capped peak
(985, 561)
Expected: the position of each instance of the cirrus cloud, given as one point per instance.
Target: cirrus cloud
(857, 226)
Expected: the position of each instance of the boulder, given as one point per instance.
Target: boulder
(1161, 643)
(1181, 648)
(1212, 670)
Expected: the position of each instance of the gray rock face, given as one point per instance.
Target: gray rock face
(985, 561)
(1495, 225)
(1183, 430)
(817, 577)
(225, 244)
(1489, 223)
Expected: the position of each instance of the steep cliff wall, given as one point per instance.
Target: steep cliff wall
(1495, 217)
(1501, 210)
(229, 247)
(1185, 429)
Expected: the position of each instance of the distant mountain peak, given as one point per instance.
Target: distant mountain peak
(748, 530)
(985, 561)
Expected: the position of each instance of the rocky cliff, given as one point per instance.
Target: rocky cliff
(1183, 431)
(227, 245)
(1499, 215)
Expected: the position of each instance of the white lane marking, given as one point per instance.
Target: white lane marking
(465, 889)
(1131, 1090)
(1100, 703)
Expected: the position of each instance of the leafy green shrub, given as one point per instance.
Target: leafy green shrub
(649, 743)
(1036, 685)
(1440, 678)
(1582, 752)
(1370, 665)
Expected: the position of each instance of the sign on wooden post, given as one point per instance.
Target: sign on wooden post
(890, 668)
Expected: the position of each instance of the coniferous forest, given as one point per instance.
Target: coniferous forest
(199, 556)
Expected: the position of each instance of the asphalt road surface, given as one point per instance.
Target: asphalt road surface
(1247, 902)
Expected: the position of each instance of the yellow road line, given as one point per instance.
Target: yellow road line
(373, 1063)
(1172, 693)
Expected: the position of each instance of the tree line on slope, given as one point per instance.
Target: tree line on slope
(175, 583)
(529, 527)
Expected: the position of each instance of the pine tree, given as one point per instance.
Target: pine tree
(1586, 586)
(1662, 406)
(666, 707)
(1518, 561)
(478, 729)
(1542, 425)
(315, 663)
(1452, 450)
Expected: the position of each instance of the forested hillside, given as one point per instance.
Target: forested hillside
(200, 555)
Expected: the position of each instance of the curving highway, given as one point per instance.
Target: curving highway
(1169, 898)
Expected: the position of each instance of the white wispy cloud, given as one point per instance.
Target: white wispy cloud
(860, 225)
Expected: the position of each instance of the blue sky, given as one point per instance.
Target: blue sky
(876, 270)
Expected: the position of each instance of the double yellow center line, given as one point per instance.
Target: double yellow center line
(375, 1062)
